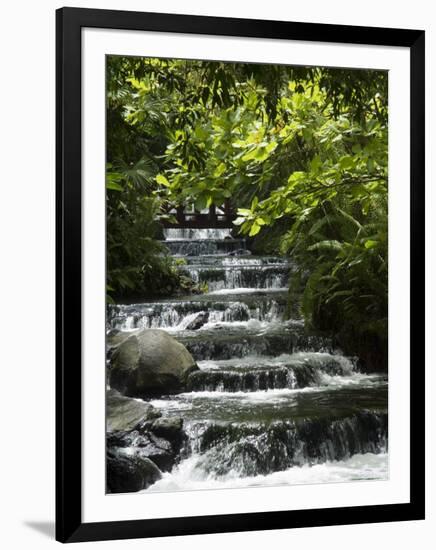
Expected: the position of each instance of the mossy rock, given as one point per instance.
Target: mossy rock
(150, 362)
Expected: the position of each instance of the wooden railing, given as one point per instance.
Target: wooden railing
(216, 216)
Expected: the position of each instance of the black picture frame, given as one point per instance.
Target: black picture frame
(69, 525)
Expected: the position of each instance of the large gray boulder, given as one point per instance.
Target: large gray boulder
(150, 362)
(124, 413)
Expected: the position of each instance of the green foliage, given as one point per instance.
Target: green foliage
(343, 273)
(334, 199)
(135, 260)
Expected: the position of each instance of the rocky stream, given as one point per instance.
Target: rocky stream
(218, 390)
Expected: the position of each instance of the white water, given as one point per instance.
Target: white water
(175, 234)
(189, 474)
(186, 401)
(246, 291)
(261, 361)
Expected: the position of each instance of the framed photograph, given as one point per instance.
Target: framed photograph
(240, 275)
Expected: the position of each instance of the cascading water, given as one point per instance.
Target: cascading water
(270, 404)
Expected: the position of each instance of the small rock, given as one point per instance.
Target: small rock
(124, 413)
(128, 473)
(159, 451)
(240, 252)
(201, 319)
(170, 429)
(146, 444)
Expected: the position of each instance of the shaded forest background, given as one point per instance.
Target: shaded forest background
(302, 153)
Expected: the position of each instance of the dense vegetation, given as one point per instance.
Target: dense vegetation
(302, 153)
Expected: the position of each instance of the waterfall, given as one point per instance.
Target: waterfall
(184, 234)
(271, 402)
(253, 449)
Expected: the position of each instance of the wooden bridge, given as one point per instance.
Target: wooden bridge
(215, 216)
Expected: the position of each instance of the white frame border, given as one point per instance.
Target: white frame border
(96, 505)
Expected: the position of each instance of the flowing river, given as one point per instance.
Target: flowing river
(270, 405)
